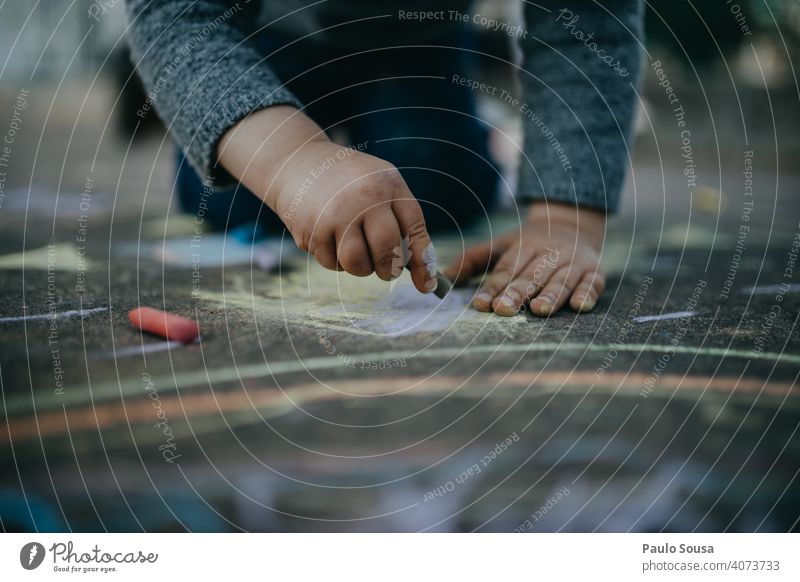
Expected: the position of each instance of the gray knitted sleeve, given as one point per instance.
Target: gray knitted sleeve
(201, 71)
(581, 71)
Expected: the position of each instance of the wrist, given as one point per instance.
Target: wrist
(256, 149)
(564, 212)
(296, 170)
(586, 220)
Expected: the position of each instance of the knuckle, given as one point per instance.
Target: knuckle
(517, 287)
(529, 287)
(543, 265)
(417, 229)
(384, 185)
(514, 293)
(537, 276)
(589, 293)
(599, 280)
(387, 259)
(552, 288)
(560, 278)
(500, 273)
(563, 294)
(393, 178)
(592, 280)
(494, 287)
(368, 199)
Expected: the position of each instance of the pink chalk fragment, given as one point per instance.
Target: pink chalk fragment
(163, 324)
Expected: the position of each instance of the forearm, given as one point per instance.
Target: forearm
(202, 72)
(253, 151)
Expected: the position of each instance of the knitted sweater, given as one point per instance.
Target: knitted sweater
(579, 74)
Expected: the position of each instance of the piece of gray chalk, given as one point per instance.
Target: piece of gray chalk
(443, 285)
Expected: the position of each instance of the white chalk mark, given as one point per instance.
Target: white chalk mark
(56, 315)
(138, 349)
(770, 289)
(674, 315)
(407, 311)
(266, 256)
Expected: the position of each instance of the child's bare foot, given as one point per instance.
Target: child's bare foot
(553, 258)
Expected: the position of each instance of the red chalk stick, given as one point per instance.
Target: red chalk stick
(166, 325)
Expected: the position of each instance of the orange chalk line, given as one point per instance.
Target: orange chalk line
(76, 395)
(275, 402)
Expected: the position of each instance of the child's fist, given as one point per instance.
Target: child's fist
(352, 211)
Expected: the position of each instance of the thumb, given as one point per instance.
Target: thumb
(474, 261)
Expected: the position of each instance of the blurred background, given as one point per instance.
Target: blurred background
(730, 61)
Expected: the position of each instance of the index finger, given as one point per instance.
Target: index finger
(422, 262)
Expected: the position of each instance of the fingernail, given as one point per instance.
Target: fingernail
(587, 304)
(484, 298)
(431, 285)
(507, 303)
(544, 305)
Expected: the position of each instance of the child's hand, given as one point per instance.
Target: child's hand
(351, 211)
(554, 257)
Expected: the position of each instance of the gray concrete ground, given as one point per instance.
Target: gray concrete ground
(298, 411)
